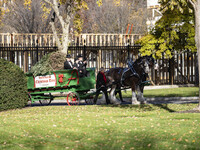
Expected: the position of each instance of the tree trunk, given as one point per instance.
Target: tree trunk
(196, 72)
(65, 39)
(64, 42)
(197, 37)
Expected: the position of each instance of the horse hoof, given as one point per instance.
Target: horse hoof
(143, 102)
(135, 103)
(116, 102)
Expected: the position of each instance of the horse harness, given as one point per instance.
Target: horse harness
(134, 73)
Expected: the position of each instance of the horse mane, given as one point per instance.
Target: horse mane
(138, 61)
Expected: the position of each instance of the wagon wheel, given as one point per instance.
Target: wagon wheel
(89, 100)
(73, 99)
(46, 102)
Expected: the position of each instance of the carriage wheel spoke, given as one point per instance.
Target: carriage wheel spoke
(72, 99)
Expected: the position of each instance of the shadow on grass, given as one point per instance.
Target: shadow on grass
(143, 107)
(165, 107)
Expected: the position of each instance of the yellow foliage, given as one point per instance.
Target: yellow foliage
(99, 3)
(78, 23)
(80, 4)
(27, 3)
(45, 10)
(84, 5)
(62, 1)
(117, 2)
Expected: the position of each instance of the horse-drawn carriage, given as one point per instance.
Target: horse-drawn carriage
(68, 83)
(62, 83)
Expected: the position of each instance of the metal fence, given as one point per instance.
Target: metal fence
(24, 56)
(106, 56)
(181, 69)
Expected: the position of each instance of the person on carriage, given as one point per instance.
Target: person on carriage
(81, 65)
(76, 63)
(68, 63)
(101, 85)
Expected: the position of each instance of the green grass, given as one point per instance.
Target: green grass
(171, 92)
(100, 127)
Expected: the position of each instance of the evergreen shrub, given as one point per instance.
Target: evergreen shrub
(13, 86)
(49, 62)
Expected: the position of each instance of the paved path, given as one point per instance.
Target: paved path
(157, 100)
(173, 100)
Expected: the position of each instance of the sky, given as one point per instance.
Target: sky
(152, 2)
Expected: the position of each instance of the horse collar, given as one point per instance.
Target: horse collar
(134, 73)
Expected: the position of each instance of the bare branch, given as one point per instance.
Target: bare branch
(193, 3)
(48, 2)
(55, 34)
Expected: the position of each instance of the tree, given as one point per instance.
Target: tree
(186, 18)
(180, 5)
(196, 6)
(64, 10)
(174, 31)
(25, 20)
(112, 17)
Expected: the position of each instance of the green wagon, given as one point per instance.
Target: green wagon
(61, 83)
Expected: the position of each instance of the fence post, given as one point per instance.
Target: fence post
(37, 51)
(84, 50)
(196, 70)
(128, 47)
(171, 71)
(12, 54)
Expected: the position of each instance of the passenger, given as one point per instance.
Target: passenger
(101, 85)
(68, 63)
(82, 66)
(76, 63)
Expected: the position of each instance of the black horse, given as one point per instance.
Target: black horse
(133, 77)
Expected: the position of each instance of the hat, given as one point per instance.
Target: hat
(68, 56)
(102, 69)
(79, 56)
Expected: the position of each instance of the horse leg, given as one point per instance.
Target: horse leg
(102, 100)
(140, 94)
(134, 97)
(113, 98)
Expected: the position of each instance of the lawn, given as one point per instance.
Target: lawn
(100, 127)
(171, 92)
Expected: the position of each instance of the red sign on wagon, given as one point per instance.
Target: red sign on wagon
(45, 81)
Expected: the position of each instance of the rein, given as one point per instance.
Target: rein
(133, 69)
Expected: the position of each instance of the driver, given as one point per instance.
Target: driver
(101, 85)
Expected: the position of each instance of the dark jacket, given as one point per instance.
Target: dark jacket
(76, 65)
(81, 65)
(67, 65)
(101, 80)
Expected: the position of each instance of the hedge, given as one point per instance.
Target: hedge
(13, 86)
